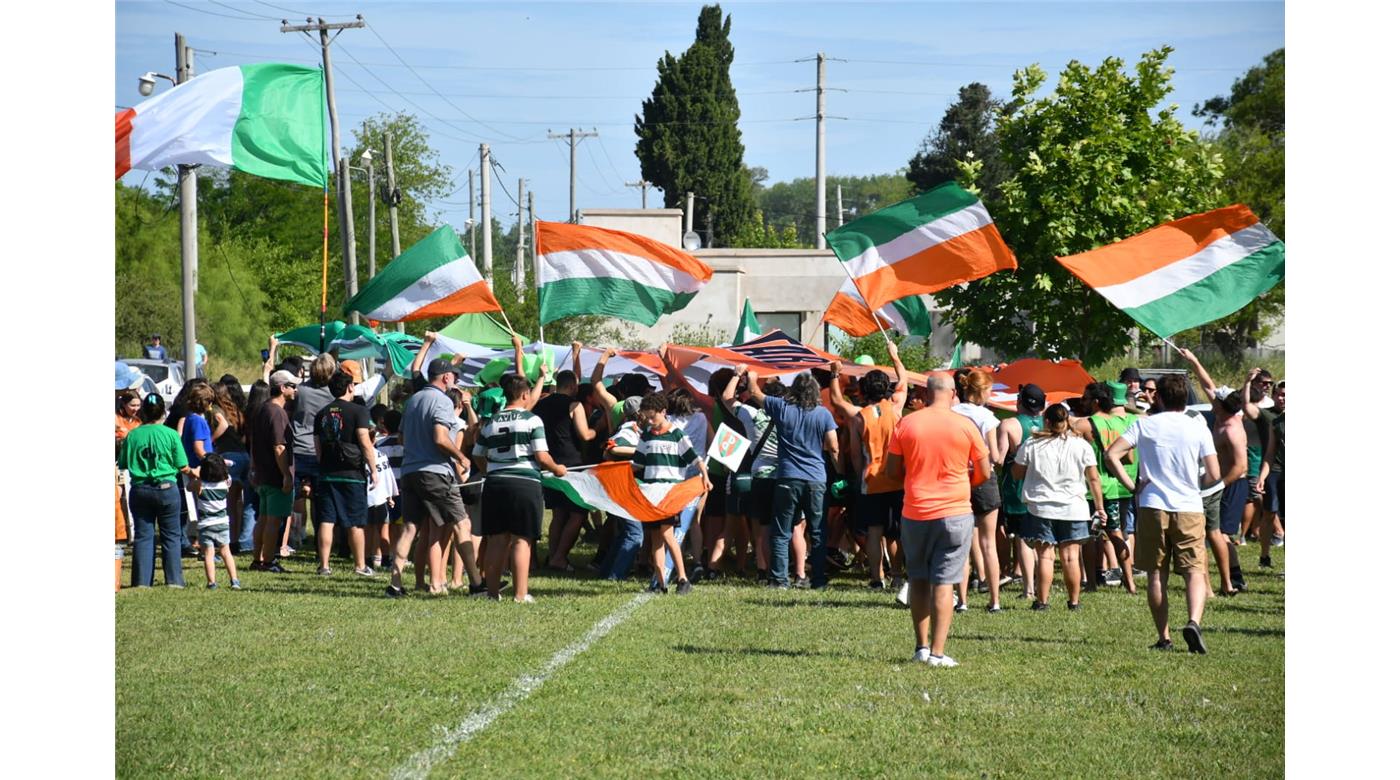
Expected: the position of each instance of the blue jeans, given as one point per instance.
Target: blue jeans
(623, 551)
(791, 496)
(154, 509)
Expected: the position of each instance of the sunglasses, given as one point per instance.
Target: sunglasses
(1149, 389)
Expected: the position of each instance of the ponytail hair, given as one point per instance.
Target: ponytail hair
(152, 408)
(972, 386)
(1056, 419)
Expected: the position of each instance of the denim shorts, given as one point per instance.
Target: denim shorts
(345, 504)
(1048, 531)
(215, 536)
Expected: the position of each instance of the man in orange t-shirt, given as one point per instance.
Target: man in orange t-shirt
(932, 452)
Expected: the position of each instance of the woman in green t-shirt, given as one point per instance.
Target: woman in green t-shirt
(155, 457)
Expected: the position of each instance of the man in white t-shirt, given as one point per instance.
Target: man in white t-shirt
(1171, 521)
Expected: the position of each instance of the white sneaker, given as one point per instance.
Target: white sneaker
(941, 660)
(526, 599)
(922, 655)
(903, 596)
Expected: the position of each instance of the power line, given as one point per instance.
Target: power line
(250, 14)
(434, 89)
(288, 10)
(610, 162)
(999, 65)
(601, 175)
(211, 13)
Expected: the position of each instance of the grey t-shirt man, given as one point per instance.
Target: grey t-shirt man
(311, 399)
(425, 409)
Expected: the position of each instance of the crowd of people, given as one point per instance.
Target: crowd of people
(919, 488)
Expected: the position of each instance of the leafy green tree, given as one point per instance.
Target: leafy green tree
(688, 137)
(757, 234)
(1251, 142)
(1091, 162)
(966, 132)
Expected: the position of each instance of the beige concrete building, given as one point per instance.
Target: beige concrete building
(789, 288)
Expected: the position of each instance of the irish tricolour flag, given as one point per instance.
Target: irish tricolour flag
(591, 270)
(907, 315)
(922, 245)
(1185, 273)
(432, 278)
(265, 119)
(611, 487)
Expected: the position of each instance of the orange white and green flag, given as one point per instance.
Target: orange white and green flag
(1187, 272)
(432, 278)
(922, 245)
(592, 270)
(612, 488)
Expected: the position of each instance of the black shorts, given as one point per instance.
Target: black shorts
(428, 495)
(882, 510)
(345, 504)
(718, 502)
(512, 505)
(986, 497)
(761, 501)
(560, 502)
(378, 515)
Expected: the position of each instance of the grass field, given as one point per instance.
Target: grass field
(299, 675)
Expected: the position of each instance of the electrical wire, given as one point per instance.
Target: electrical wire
(288, 10)
(250, 14)
(212, 13)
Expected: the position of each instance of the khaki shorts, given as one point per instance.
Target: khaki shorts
(1160, 533)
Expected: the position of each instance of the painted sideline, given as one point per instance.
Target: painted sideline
(420, 764)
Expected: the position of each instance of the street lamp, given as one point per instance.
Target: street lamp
(146, 82)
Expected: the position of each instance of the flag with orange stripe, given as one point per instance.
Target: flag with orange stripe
(611, 488)
(592, 270)
(432, 278)
(922, 245)
(1185, 273)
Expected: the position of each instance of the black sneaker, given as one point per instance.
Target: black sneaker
(1071, 606)
(877, 584)
(1162, 644)
(761, 576)
(683, 587)
(1239, 585)
(275, 568)
(802, 583)
(711, 575)
(776, 585)
(473, 590)
(1266, 562)
(394, 593)
(257, 566)
(1192, 632)
(1040, 606)
(992, 609)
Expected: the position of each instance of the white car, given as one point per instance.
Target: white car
(167, 377)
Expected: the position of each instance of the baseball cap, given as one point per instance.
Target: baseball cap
(280, 378)
(630, 405)
(1222, 392)
(1031, 397)
(352, 367)
(1130, 374)
(155, 335)
(442, 366)
(1120, 392)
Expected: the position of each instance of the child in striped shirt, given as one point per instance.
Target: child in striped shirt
(662, 455)
(211, 507)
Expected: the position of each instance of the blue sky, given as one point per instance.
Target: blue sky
(523, 69)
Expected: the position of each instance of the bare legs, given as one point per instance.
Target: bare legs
(987, 542)
(1069, 561)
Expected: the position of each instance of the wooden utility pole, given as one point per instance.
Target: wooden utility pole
(644, 185)
(574, 135)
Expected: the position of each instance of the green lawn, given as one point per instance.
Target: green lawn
(299, 676)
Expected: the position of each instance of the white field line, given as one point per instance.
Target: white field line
(419, 764)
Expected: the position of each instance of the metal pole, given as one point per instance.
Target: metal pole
(821, 151)
(520, 244)
(189, 224)
(347, 240)
(391, 196)
(535, 249)
(689, 212)
(709, 227)
(471, 217)
(351, 263)
(573, 175)
(369, 166)
(486, 231)
(840, 210)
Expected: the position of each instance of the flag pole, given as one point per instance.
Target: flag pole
(535, 250)
(873, 315)
(325, 252)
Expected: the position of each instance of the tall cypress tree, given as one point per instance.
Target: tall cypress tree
(968, 131)
(688, 134)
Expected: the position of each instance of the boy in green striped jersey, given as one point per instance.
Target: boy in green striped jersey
(662, 455)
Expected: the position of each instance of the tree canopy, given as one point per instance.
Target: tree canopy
(1091, 162)
(966, 132)
(688, 137)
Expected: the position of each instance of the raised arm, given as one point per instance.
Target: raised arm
(418, 359)
(726, 397)
(1202, 376)
(755, 389)
(575, 352)
(536, 390)
(838, 399)
(520, 354)
(1251, 409)
(676, 379)
(901, 379)
(271, 361)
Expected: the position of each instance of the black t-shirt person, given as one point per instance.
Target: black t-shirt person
(336, 428)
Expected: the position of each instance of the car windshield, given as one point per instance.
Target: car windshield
(156, 371)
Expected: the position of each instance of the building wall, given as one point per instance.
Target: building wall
(663, 225)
